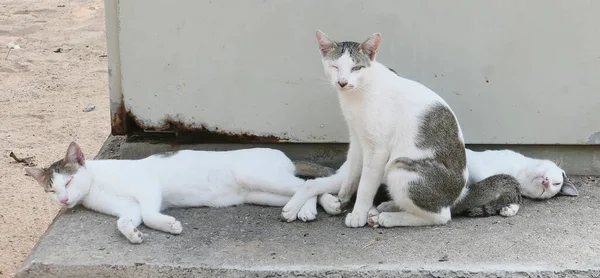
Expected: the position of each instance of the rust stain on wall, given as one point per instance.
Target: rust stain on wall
(123, 122)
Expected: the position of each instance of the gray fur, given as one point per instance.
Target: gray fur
(354, 49)
(60, 167)
(489, 196)
(167, 154)
(442, 178)
(311, 170)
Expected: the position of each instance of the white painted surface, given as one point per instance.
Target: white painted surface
(520, 72)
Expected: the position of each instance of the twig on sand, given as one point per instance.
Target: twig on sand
(27, 161)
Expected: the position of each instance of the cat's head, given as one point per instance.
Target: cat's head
(347, 64)
(548, 180)
(66, 181)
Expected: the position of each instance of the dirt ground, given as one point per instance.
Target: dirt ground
(43, 92)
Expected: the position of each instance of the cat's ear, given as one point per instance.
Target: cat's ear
(568, 189)
(325, 43)
(74, 154)
(371, 45)
(37, 174)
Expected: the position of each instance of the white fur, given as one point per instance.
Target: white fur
(510, 210)
(137, 190)
(382, 111)
(529, 172)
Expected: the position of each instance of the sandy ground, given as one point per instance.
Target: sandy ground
(42, 97)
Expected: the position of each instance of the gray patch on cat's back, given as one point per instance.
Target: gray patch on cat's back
(594, 138)
(442, 182)
(353, 49)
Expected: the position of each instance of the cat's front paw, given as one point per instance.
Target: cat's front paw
(331, 204)
(510, 210)
(288, 213)
(175, 228)
(373, 218)
(291, 210)
(136, 236)
(356, 220)
(308, 212)
(130, 232)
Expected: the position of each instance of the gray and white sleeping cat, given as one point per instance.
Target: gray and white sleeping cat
(538, 178)
(137, 191)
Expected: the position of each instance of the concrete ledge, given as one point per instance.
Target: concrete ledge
(555, 238)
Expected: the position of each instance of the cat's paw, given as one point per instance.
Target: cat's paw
(510, 210)
(292, 208)
(356, 220)
(331, 204)
(373, 218)
(136, 236)
(175, 227)
(288, 213)
(130, 232)
(308, 212)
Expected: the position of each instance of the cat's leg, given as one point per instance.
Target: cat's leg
(330, 204)
(266, 199)
(310, 189)
(150, 205)
(127, 210)
(408, 219)
(353, 167)
(128, 222)
(281, 184)
(372, 174)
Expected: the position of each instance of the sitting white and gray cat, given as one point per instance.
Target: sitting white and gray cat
(137, 190)
(538, 178)
(402, 134)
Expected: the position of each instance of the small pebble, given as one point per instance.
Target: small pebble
(89, 108)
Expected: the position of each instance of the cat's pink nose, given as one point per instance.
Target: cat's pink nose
(64, 201)
(342, 83)
(545, 182)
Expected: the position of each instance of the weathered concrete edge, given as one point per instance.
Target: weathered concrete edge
(148, 270)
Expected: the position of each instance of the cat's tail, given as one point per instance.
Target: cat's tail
(498, 194)
(311, 170)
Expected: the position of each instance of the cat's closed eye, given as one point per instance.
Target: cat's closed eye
(334, 67)
(556, 183)
(357, 68)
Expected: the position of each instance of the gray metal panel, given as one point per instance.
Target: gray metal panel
(519, 72)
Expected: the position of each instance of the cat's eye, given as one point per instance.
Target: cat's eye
(50, 191)
(357, 68)
(556, 183)
(68, 182)
(334, 67)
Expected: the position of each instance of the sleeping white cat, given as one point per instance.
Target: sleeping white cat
(137, 190)
(538, 178)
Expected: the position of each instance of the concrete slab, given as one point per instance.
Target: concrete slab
(555, 238)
